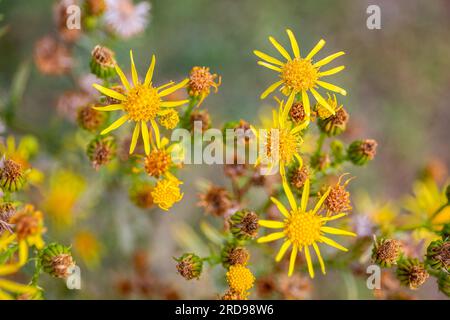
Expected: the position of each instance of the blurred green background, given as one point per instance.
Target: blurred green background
(397, 80)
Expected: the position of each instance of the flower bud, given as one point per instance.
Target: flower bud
(361, 151)
(189, 266)
(57, 260)
(411, 273)
(335, 124)
(386, 252)
(244, 224)
(103, 62)
(299, 176)
(141, 195)
(232, 255)
(438, 255)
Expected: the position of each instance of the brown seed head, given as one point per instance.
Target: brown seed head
(216, 201)
(297, 112)
(157, 163)
(299, 177)
(61, 265)
(338, 200)
(103, 56)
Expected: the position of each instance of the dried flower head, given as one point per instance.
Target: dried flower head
(334, 124)
(297, 112)
(361, 151)
(70, 102)
(12, 175)
(102, 62)
(200, 82)
(90, 119)
(57, 260)
(157, 163)
(240, 279)
(232, 295)
(61, 16)
(232, 255)
(438, 255)
(125, 18)
(167, 192)
(216, 201)
(338, 199)
(411, 273)
(244, 224)
(101, 151)
(299, 176)
(201, 116)
(51, 57)
(386, 252)
(7, 210)
(189, 266)
(141, 195)
(266, 286)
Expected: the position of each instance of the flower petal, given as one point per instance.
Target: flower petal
(111, 107)
(110, 93)
(331, 87)
(305, 195)
(157, 135)
(284, 247)
(321, 201)
(174, 88)
(268, 58)
(134, 74)
(322, 101)
(294, 43)
(269, 66)
(271, 88)
(171, 104)
(332, 243)
(292, 260)
(316, 49)
(134, 138)
(309, 262)
(271, 224)
(288, 192)
(122, 77)
(271, 237)
(115, 124)
(280, 207)
(331, 71)
(151, 68)
(319, 256)
(144, 130)
(328, 59)
(335, 217)
(280, 48)
(337, 231)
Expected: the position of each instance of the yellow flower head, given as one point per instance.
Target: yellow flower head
(159, 161)
(61, 200)
(88, 248)
(300, 74)
(325, 113)
(282, 139)
(142, 103)
(29, 226)
(167, 192)
(240, 278)
(302, 228)
(169, 119)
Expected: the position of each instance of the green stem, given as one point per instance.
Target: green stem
(187, 114)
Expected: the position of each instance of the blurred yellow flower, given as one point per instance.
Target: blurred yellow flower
(300, 75)
(61, 199)
(141, 103)
(29, 226)
(302, 228)
(167, 192)
(88, 248)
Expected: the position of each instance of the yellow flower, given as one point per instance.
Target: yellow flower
(88, 248)
(302, 228)
(240, 279)
(288, 137)
(29, 226)
(323, 112)
(61, 199)
(159, 161)
(300, 75)
(167, 192)
(424, 205)
(141, 103)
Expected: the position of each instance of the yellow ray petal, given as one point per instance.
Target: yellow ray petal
(289, 194)
(306, 104)
(280, 207)
(331, 71)
(144, 130)
(292, 259)
(5, 296)
(174, 88)
(271, 237)
(322, 101)
(294, 43)
(331, 230)
(284, 247)
(134, 138)
(269, 66)
(110, 93)
(116, 124)
(309, 262)
(332, 243)
(157, 135)
(321, 200)
(134, 74)
(328, 59)
(337, 216)
(288, 106)
(305, 195)
(331, 87)
(9, 269)
(111, 107)
(122, 77)
(268, 58)
(16, 287)
(271, 88)
(316, 49)
(171, 104)
(23, 252)
(151, 68)
(280, 48)
(168, 84)
(319, 256)
(271, 224)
